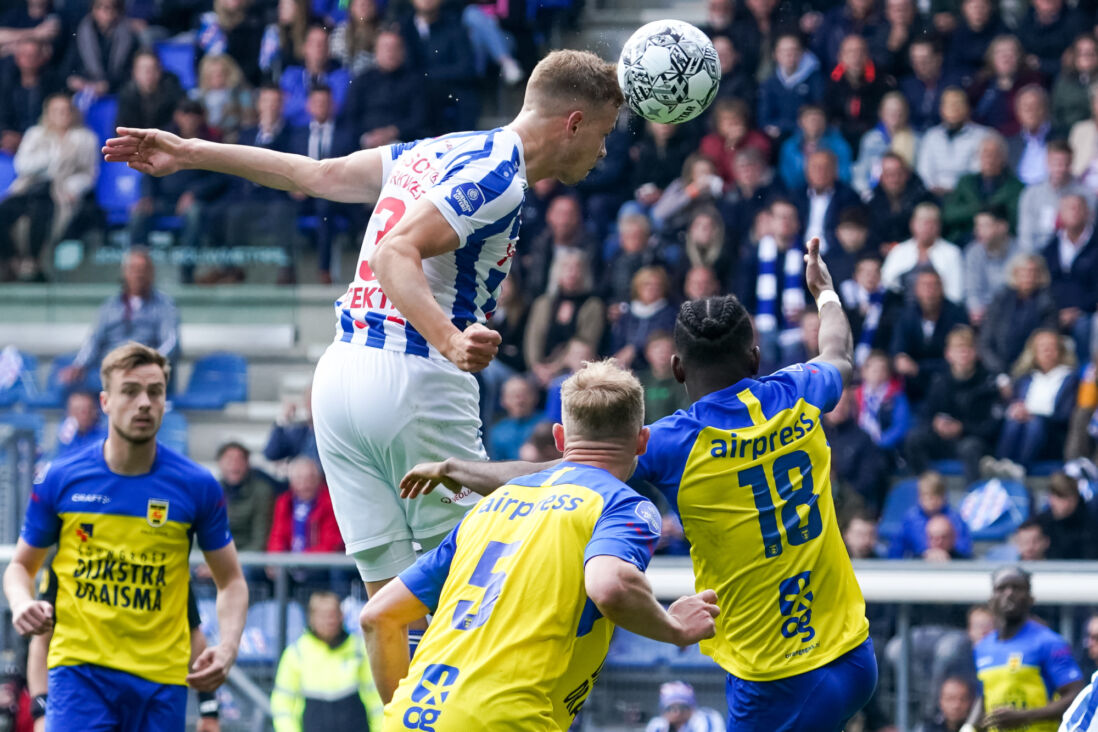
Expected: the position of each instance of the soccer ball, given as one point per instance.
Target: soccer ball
(669, 71)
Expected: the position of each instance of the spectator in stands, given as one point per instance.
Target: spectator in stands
(231, 28)
(636, 248)
(718, 17)
(954, 704)
(904, 27)
(303, 520)
(1040, 202)
(186, 194)
(883, 410)
(1068, 521)
(892, 134)
(283, 41)
(569, 309)
(860, 537)
(1042, 399)
(1091, 639)
(959, 419)
(1047, 31)
(941, 540)
(977, 26)
(993, 184)
(796, 83)
(736, 81)
(663, 394)
(822, 199)
(658, 158)
(650, 310)
(852, 239)
(292, 434)
(35, 21)
(151, 96)
(1030, 541)
(323, 136)
(1071, 92)
(679, 711)
(384, 105)
(698, 187)
(813, 133)
(1072, 258)
(438, 47)
(564, 232)
(986, 258)
(893, 201)
(228, 101)
(854, 90)
(323, 681)
(542, 446)
(606, 186)
(571, 360)
(994, 91)
(731, 135)
(101, 55)
(520, 401)
(925, 248)
(1028, 150)
(1019, 309)
(26, 80)
(854, 17)
(870, 308)
(1083, 139)
(929, 78)
(950, 149)
(316, 70)
(249, 497)
(772, 284)
(509, 320)
(490, 44)
(752, 192)
(82, 425)
(857, 463)
(933, 502)
(138, 313)
(354, 41)
(1082, 440)
(700, 282)
(56, 167)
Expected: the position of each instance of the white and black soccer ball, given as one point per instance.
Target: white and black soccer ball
(669, 71)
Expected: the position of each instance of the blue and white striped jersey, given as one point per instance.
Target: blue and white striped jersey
(1082, 715)
(477, 180)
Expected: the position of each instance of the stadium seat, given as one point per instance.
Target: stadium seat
(217, 379)
(17, 376)
(173, 431)
(117, 190)
(1006, 503)
(178, 58)
(1044, 468)
(901, 497)
(7, 173)
(948, 467)
(101, 116)
(55, 393)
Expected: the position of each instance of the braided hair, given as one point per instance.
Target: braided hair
(712, 330)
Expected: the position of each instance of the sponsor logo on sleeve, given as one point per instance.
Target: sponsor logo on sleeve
(648, 513)
(466, 199)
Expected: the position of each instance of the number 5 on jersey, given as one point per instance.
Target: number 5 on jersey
(492, 582)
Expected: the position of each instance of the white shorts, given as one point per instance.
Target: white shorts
(377, 414)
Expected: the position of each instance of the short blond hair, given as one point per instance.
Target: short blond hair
(130, 356)
(602, 400)
(573, 79)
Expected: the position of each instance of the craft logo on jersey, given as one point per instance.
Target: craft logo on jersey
(795, 604)
(157, 512)
(85, 531)
(466, 198)
(428, 696)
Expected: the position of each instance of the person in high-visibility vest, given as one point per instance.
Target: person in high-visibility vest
(323, 681)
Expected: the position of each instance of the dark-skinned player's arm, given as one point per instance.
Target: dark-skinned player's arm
(211, 668)
(836, 340)
(480, 476)
(354, 178)
(29, 615)
(397, 263)
(385, 620)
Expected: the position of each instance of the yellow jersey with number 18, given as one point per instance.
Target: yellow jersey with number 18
(749, 469)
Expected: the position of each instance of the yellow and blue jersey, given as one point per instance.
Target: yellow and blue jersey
(123, 544)
(749, 469)
(515, 643)
(1025, 671)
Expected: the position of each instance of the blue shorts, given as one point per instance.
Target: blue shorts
(98, 699)
(821, 700)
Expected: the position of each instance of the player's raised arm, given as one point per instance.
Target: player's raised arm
(355, 178)
(481, 477)
(29, 616)
(836, 340)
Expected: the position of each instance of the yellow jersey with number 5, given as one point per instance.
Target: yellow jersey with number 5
(749, 469)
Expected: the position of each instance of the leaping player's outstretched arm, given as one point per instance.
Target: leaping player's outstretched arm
(480, 476)
(836, 340)
(355, 178)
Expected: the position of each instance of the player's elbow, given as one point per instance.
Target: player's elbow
(609, 585)
(375, 617)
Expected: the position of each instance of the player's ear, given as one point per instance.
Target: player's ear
(574, 120)
(753, 360)
(558, 436)
(642, 440)
(677, 369)
(103, 401)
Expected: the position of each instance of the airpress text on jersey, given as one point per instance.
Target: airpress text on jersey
(518, 509)
(756, 447)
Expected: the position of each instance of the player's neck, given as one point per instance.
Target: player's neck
(128, 458)
(538, 152)
(704, 383)
(610, 458)
(1008, 628)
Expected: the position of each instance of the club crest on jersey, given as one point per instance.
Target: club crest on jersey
(1014, 662)
(466, 198)
(156, 514)
(85, 532)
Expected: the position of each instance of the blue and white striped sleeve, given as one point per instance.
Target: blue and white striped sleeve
(479, 194)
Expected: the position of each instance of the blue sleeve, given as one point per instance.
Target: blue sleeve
(1058, 666)
(42, 525)
(211, 526)
(425, 578)
(480, 198)
(628, 529)
(818, 383)
(664, 460)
